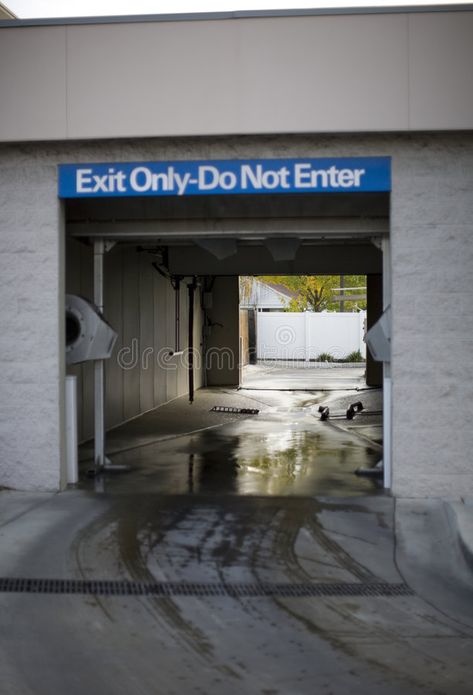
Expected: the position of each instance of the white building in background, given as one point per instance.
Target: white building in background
(268, 296)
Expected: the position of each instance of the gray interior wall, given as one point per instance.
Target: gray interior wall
(345, 73)
(139, 304)
(223, 343)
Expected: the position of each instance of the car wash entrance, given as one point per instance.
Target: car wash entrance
(166, 242)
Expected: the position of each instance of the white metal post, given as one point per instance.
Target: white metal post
(71, 430)
(307, 336)
(99, 386)
(387, 381)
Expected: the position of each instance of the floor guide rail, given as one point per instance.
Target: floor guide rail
(108, 587)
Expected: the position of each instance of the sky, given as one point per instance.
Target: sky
(88, 8)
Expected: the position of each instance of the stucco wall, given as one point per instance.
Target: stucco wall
(432, 277)
(31, 322)
(432, 299)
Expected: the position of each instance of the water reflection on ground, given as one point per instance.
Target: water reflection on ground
(290, 453)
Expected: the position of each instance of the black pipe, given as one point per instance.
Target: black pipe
(177, 312)
(190, 367)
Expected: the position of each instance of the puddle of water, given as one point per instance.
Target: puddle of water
(252, 457)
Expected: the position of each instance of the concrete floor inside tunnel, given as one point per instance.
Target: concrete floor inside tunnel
(284, 450)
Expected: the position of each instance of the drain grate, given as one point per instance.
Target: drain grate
(257, 590)
(230, 409)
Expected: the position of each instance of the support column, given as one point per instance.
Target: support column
(32, 388)
(387, 380)
(374, 293)
(223, 344)
(99, 384)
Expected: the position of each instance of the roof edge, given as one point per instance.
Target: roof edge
(247, 14)
(10, 15)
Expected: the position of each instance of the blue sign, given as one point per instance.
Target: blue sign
(225, 177)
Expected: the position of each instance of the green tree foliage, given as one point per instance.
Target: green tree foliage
(315, 292)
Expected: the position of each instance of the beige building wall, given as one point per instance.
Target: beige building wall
(399, 71)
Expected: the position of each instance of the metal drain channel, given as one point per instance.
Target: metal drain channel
(129, 588)
(230, 409)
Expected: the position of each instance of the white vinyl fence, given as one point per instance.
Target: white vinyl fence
(304, 336)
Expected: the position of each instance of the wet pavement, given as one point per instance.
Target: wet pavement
(283, 450)
(217, 644)
(216, 504)
(271, 454)
(302, 376)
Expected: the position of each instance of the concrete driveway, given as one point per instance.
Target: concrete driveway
(302, 376)
(240, 573)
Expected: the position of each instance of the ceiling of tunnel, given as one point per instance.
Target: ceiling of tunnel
(326, 205)
(260, 259)
(250, 234)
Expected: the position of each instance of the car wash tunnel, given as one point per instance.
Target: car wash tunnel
(185, 509)
(163, 392)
